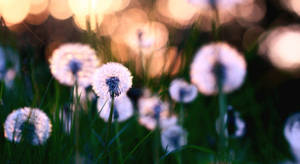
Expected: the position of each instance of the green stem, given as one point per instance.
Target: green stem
(181, 115)
(109, 126)
(118, 142)
(222, 112)
(76, 108)
(156, 144)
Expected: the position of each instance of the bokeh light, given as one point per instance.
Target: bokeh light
(14, 11)
(38, 6)
(281, 47)
(60, 9)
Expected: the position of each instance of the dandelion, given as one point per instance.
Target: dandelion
(235, 125)
(123, 109)
(66, 115)
(292, 134)
(152, 110)
(173, 138)
(71, 61)
(181, 91)
(29, 124)
(218, 62)
(111, 80)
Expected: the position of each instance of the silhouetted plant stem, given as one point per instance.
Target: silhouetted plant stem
(222, 111)
(156, 144)
(120, 154)
(76, 112)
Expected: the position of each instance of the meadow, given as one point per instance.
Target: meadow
(74, 73)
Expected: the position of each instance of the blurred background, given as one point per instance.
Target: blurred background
(169, 32)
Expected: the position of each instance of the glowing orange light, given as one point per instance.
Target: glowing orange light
(83, 22)
(38, 6)
(89, 7)
(282, 48)
(60, 9)
(14, 11)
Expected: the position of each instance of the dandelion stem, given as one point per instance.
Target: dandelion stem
(222, 110)
(156, 144)
(118, 143)
(76, 106)
(181, 115)
(109, 124)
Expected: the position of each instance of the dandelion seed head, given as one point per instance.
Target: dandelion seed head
(292, 131)
(218, 61)
(173, 138)
(74, 60)
(33, 123)
(123, 109)
(111, 80)
(153, 110)
(181, 91)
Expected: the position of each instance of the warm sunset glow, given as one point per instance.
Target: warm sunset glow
(83, 21)
(60, 9)
(14, 11)
(38, 6)
(89, 7)
(282, 47)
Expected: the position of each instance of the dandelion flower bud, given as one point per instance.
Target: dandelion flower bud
(181, 91)
(28, 124)
(218, 62)
(111, 80)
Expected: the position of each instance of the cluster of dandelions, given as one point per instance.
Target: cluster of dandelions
(27, 124)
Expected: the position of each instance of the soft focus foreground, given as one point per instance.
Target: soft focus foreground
(140, 81)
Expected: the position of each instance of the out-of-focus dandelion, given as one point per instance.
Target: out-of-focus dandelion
(28, 124)
(173, 138)
(111, 80)
(66, 115)
(182, 91)
(281, 48)
(146, 38)
(235, 125)
(292, 134)
(9, 65)
(152, 111)
(71, 61)
(123, 109)
(218, 62)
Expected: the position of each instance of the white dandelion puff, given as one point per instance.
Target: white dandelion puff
(111, 80)
(71, 60)
(218, 62)
(292, 134)
(181, 91)
(123, 109)
(153, 110)
(235, 125)
(33, 123)
(173, 138)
